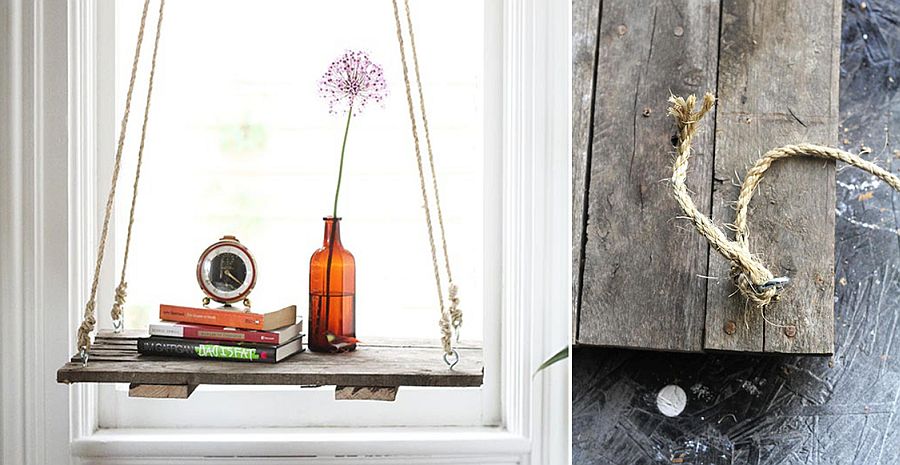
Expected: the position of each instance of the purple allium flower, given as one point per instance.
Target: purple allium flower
(352, 81)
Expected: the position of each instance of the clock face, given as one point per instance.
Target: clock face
(226, 271)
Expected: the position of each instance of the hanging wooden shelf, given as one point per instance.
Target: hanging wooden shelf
(374, 372)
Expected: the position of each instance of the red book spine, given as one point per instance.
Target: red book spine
(219, 334)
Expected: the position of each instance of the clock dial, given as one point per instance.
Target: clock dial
(227, 272)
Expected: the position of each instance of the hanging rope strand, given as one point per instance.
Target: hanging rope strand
(752, 278)
(88, 321)
(455, 311)
(446, 329)
(116, 311)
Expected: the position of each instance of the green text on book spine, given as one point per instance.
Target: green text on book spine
(209, 350)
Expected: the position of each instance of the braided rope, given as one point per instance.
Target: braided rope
(88, 320)
(116, 311)
(751, 276)
(445, 325)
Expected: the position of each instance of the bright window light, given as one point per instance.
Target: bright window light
(240, 143)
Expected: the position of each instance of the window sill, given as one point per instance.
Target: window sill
(301, 442)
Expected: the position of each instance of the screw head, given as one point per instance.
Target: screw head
(730, 327)
(790, 331)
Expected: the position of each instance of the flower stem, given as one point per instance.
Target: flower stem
(341, 169)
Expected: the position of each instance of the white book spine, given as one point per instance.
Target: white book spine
(166, 330)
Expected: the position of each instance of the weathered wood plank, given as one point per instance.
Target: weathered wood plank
(408, 364)
(778, 84)
(585, 28)
(640, 285)
(161, 391)
(385, 394)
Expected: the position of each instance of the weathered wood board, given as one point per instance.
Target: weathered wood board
(640, 285)
(114, 359)
(778, 84)
(645, 278)
(585, 28)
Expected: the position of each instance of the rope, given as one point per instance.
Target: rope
(116, 311)
(445, 325)
(88, 320)
(455, 311)
(751, 276)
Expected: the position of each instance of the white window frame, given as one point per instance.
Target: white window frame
(46, 194)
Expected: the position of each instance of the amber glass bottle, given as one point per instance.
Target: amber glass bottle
(332, 294)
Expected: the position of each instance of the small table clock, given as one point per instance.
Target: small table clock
(226, 272)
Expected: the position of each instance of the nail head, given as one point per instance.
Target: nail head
(730, 327)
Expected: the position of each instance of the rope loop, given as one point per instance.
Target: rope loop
(754, 281)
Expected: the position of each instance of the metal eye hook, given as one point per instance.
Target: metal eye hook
(455, 355)
(84, 356)
(777, 283)
(118, 325)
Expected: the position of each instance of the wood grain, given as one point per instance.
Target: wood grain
(585, 27)
(641, 265)
(114, 359)
(161, 391)
(748, 409)
(384, 394)
(778, 84)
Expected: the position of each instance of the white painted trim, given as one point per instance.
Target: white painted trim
(12, 234)
(292, 442)
(353, 460)
(34, 235)
(536, 238)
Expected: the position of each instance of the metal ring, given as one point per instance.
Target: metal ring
(455, 358)
(84, 357)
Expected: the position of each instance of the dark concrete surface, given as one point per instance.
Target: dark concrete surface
(752, 409)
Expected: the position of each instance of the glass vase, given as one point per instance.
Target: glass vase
(332, 294)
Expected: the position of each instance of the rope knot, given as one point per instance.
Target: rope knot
(446, 334)
(456, 314)
(760, 294)
(118, 307)
(119, 303)
(86, 327)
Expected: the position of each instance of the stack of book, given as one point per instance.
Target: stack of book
(224, 334)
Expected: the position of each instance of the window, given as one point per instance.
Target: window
(240, 143)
